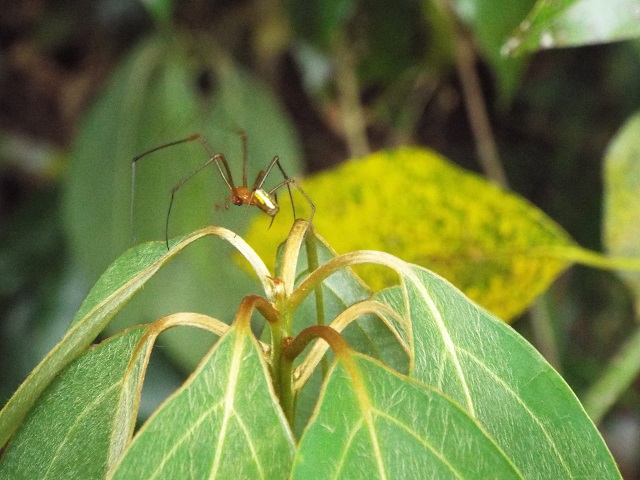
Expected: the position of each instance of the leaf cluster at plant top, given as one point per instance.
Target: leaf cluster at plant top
(477, 400)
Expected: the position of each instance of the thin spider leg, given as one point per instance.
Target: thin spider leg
(217, 158)
(293, 206)
(275, 198)
(290, 181)
(262, 176)
(226, 175)
(220, 161)
(245, 156)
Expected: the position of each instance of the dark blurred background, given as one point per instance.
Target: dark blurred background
(308, 69)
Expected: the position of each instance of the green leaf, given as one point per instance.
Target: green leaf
(113, 290)
(153, 98)
(415, 204)
(80, 425)
(501, 380)
(373, 423)
(224, 422)
(622, 200)
(485, 367)
(367, 334)
(621, 234)
(568, 23)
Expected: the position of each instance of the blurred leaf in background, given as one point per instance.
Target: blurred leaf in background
(490, 23)
(621, 215)
(568, 23)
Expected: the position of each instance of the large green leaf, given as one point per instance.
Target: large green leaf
(415, 204)
(621, 217)
(483, 365)
(479, 402)
(621, 237)
(114, 289)
(500, 379)
(153, 98)
(225, 422)
(373, 423)
(83, 421)
(566, 23)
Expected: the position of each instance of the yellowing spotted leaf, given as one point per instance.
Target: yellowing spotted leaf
(413, 203)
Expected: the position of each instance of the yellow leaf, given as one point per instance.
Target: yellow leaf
(417, 205)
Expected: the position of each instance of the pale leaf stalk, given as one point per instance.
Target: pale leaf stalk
(291, 253)
(304, 371)
(313, 264)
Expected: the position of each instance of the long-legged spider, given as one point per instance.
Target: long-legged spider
(265, 200)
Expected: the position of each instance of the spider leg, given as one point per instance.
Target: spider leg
(275, 198)
(293, 206)
(262, 176)
(217, 158)
(245, 156)
(288, 182)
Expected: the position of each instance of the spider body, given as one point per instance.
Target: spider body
(265, 200)
(257, 197)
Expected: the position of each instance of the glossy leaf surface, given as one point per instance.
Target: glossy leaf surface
(367, 334)
(113, 290)
(225, 422)
(479, 402)
(372, 423)
(501, 380)
(83, 421)
(116, 286)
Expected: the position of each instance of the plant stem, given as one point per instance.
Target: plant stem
(590, 258)
(285, 381)
(616, 379)
(353, 117)
(313, 264)
(282, 367)
(476, 108)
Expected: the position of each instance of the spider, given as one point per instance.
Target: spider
(265, 200)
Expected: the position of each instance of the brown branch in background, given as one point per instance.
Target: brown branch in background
(353, 117)
(476, 109)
